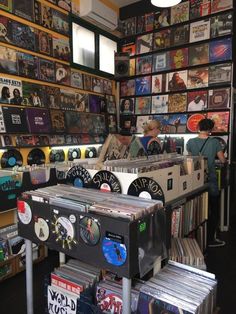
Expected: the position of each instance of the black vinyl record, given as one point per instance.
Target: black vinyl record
(36, 157)
(90, 152)
(78, 176)
(153, 147)
(74, 153)
(146, 188)
(106, 181)
(56, 155)
(11, 158)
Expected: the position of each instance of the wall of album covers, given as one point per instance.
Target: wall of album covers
(43, 101)
(180, 67)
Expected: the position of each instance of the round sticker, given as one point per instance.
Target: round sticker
(114, 252)
(64, 231)
(192, 123)
(24, 212)
(89, 230)
(41, 229)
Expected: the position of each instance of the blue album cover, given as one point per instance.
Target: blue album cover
(23, 36)
(28, 65)
(114, 252)
(177, 123)
(221, 50)
(143, 85)
(160, 62)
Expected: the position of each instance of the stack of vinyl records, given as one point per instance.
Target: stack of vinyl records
(186, 251)
(178, 288)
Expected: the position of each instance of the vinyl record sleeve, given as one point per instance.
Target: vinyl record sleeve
(180, 13)
(23, 36)
(8, 60)
(57, 120)
(24, 9)
(221, 50)
(199, 30)
(38, 120)
(192, 123)
(15, 119)
(28, 65)
(219, 98)
(44, 42)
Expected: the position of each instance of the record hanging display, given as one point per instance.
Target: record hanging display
(36, 157)
(24, 212)
(147, 188)
(78, 176)
(41, 229)
(153, 147)
(90, 152)
(56, 155)
(89, 230)
(11, 158)
(106, 181)
(74, 153)
(114, 252)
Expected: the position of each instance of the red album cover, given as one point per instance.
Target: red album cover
(221, 120)
(198, 78)
(221, 5)
(179, 58)
(219, 98)
(193, 120)
(130, 48)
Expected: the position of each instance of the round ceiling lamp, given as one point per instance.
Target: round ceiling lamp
(165, 3)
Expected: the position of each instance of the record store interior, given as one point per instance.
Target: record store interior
(117, 157)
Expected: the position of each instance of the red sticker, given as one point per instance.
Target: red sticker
(21, 206)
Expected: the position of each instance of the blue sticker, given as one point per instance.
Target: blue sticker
(114, 252)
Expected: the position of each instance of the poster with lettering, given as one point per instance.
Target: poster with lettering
(61, 302)
(199, 30)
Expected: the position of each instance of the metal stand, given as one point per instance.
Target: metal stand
(126, 295)
(29, 276)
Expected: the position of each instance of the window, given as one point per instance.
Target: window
(107, 49)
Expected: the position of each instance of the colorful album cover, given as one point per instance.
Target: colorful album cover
(15, 119)
(160, 104)
(179, 58)
(149, 22)
(219, 98)
(46, 70)
(177, 81)
(57, 120)
(143, 85)
(129, 26)
(98, 123)
(52, 97)
(24, 9)
(199, 54)
(87, 82)
(141, 121)
(6, 5)
(127, 88)
(132, 67)
(177, 123)
(220, 73)
(179, 35)
(2, 124)
(37, 12)
(221, 5)
(220, 50)
(127, 124)
(67, 99)
(197, 100)
(199, 8)
(162, 18)
(158, 83)
(10, 91)
(64, 4)
(193, 120)
(221, 120)
(5, 29)
(8, 60)
(107, 87)
(63, 74)
(112, 123)
(33, 95)
(144, 65)
(60, 22)
(23, 36)
(76, 79)
(180, 13)
(140, 28)
(144, 43)
(222, 25)
(127, 106)
(111, 104)
(94, 103)
(130, 48)
(38, 120)
(46, 18)
(199, 30)
(177, 102)
(143, 105)
(198, 78)
(28, 65)
(44, 42)
(161, 39)
(160, 62)
(81, 102)
(61, 48)
(97, 84)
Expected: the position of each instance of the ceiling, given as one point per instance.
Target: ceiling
(123, 3)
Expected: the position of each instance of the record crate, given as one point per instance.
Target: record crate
(8, 268)
(38, 254)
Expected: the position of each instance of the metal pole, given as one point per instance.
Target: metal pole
(62, 258)
(126, 295)
(29, 276)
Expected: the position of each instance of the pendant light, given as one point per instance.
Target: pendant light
(165, 3)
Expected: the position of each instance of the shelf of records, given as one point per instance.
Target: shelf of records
(13, 62)
(209, 23)
(12, 252)
(176, 287)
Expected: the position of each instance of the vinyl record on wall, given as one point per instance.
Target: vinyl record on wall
(36, 157)
(74, 153)
(90, 152)
(11, 158)
(78, 176)
(56, 155)
(106, 181)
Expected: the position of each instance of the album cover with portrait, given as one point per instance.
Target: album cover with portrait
(144, 43)
(177, 81)
(10, 91)
(144, 65)
(180, 13)
(8, 60)
(5, 29)
(45, 15)
(143, 85)
(219, 98)
(46, 70)
(143, 105)
(127, 106)
(28, 65)
(129, 48)
(44, 42)
(162, 18)
(199, 8)
(197, 100)
(23, 36)
(177, 102)
(76, 79)
(33, 95)
(222, 25)
(129, 26)
(127, 124)
(199, 30)
(179, 35)
(199, 54)
(161, 39)
(221, 120)
(111, 123)
(107, 87)
(24, 9)
(161, 62)
(97, 84)
(6, 5)
(158, 83)
(160, 104)
(87, 82)
(63, 74)
(127, 88)
(221, 5)
(221, 50)
(177, 123)
(220, 73)
(57, 120)
(52, 97)
(179, 58)
(198, 78)
(111, 104)
(67, 99)
(61, 48)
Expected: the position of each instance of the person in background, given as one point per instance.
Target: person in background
(197, 104)
(5, 95)
(211, 148)
(150, 140)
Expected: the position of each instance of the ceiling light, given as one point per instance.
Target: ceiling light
(165, 3)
